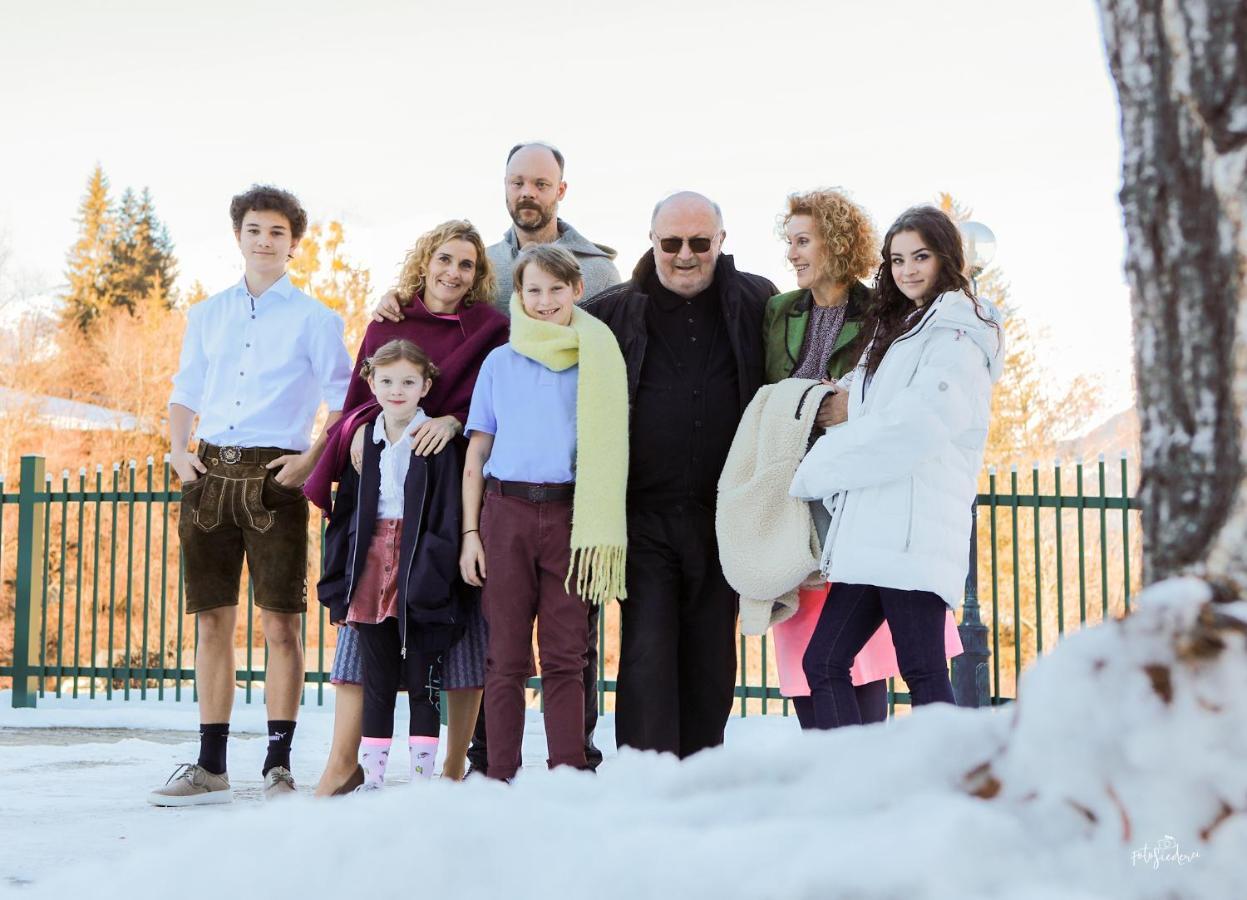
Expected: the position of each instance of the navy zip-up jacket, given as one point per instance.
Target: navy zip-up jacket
(436, 597)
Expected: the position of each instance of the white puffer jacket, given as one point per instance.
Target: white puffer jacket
(905, 465)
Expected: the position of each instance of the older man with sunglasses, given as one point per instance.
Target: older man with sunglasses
(690, 327)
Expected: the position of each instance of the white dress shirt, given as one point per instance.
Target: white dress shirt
(256, 369)
(395, 461)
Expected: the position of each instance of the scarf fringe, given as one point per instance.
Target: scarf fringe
(599, 573)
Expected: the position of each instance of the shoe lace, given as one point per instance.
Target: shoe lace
(281, 775)
(184, 770)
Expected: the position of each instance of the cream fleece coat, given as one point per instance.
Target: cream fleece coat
(767, 541)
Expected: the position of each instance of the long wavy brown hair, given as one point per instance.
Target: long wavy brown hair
(889, 315)
(416, 264)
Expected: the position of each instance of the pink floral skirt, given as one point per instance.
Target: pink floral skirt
(875, 661)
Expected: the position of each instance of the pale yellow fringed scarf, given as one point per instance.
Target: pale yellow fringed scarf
(599, 526)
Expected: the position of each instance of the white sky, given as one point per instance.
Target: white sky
(395, 116)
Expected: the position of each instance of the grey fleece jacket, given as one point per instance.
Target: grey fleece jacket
(596, 262)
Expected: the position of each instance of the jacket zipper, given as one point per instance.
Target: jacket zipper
(359, 497)
(402, 619)
(832, 530)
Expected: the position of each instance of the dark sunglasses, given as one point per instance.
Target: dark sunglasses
(673, 244)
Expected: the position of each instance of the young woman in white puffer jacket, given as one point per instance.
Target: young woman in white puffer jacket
(899, 472)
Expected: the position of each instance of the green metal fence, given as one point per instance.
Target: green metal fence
(92, 581)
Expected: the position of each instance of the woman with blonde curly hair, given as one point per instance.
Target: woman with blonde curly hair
(444, 286)
(812, 333)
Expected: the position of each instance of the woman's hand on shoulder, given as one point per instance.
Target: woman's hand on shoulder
(472, 559)
(388, 308)
(432, 435)
(357, 449)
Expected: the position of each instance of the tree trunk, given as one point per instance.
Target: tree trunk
(1181, 73)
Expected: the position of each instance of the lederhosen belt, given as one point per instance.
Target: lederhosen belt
(213, 454)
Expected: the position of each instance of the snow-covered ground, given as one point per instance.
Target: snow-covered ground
(1112, 780)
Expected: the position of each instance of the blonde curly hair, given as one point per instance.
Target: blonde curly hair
(850, 241)
(416, 264)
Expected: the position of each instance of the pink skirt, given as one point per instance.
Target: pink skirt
(877, 660)
(376, 595)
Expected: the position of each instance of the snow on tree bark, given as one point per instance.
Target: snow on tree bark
(1181, 74)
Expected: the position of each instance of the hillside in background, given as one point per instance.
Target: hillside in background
(1117, 433)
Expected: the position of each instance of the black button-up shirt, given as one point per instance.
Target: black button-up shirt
(687, 403)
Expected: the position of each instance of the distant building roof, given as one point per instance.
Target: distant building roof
(71, 415)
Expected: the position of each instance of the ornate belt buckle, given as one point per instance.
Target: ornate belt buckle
(536, 493)
(230, 455)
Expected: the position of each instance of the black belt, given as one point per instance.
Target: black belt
(235, 455)
(534, 493)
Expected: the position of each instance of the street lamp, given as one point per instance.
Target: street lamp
(971, 681)
(980, 245)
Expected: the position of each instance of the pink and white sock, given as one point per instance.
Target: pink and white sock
(376, 752)
(423, 756)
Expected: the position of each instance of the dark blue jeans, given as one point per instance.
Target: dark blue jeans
(852, 613)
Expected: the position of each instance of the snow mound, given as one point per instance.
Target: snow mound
(1120, 773)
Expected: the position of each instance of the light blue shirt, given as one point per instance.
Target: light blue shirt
(256, 369)
(531, 412)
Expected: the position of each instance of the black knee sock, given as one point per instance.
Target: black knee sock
(212, 741)
(280, 734)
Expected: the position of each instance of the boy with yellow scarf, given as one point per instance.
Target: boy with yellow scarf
(548, 457)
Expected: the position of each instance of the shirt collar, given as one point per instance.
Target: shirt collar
(283, 287)
(378, 431)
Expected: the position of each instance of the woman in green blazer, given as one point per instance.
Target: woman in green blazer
(832, 245)
(811, 333)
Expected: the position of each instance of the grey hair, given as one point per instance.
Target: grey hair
(685, 195)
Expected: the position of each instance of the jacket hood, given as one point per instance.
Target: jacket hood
(569, 239)
(956, 311)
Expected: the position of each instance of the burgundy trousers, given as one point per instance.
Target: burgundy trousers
(527, 551)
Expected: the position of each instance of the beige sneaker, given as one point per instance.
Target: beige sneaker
(278, 783)
(191, 785)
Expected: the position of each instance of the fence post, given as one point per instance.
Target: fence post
(971, 681)
(31, 549)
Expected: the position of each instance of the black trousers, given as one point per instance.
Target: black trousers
(383, 665)
(852, 613)
(478, 752)
(677, 659)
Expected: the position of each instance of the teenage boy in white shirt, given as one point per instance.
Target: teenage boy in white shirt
(257, 361)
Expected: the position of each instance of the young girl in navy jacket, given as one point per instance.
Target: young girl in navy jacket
(391, 563)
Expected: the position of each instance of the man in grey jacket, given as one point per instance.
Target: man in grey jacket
(534, 187)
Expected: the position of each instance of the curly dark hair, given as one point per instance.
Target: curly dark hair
(888, 315)
(265, 198)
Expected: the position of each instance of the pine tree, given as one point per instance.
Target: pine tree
(89, 258)
(142, 266)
